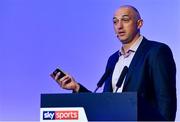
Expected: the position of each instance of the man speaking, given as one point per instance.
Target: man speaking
(151, 67)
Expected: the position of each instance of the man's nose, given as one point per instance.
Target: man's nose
(119, 25)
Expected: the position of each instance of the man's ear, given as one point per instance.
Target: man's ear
(139, 23)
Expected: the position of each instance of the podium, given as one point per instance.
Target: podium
(127, 106)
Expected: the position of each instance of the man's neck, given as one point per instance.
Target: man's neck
(128, 45)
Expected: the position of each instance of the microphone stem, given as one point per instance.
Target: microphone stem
(96, 89)
(116, 89)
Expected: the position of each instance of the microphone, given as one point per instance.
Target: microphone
(121, 78)
(102, 80)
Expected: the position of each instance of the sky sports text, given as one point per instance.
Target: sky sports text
(60, 115)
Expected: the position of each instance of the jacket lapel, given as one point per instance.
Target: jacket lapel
(108, 82)
(134, 61)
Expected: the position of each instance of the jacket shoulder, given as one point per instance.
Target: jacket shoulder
(153, 45)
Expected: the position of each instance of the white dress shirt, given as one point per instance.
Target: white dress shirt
(124, 60)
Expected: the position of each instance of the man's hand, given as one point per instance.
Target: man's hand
(67, 82)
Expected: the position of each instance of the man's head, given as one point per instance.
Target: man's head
(127, 23)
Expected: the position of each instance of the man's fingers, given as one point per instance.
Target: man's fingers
(64, 82)
(57, 76)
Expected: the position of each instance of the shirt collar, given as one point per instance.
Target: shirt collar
(133, 48)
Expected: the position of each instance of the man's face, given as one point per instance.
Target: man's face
(126, 24)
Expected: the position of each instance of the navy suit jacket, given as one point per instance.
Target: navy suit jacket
(152, 74)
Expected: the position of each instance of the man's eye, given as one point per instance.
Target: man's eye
(115, 21)
(125, 19)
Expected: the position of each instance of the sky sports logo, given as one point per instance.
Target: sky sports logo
(60, 115)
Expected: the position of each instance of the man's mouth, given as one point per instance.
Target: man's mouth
(122, 33)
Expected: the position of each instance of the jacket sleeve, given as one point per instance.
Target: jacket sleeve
(82, 89)
(164, 80)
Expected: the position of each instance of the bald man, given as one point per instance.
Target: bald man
(151, 67)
